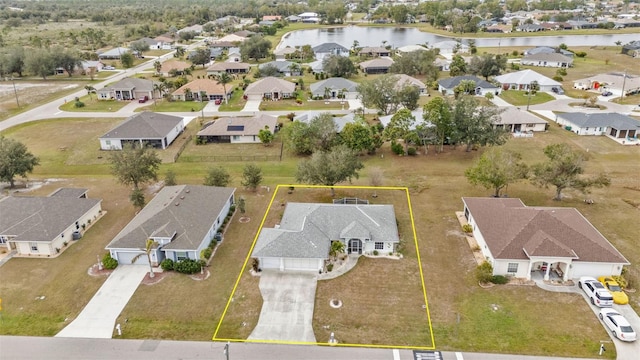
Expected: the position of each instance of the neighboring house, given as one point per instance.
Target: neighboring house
(203, 90)
(174, 64)
(499, 28)
(530, 28)
(547, 60)
(442, 64)
(153, 43)
(237, 129)
(410, 48)
(522, 80)
(85, 67)
(293, 18)
(244, 33)
(283, 54)
(334, 88)
(225, 45)
(193, 28)
(548, 50)
(234, 56)
(518, 121)
(447, 86)
(409, 80)
(113, 54)
(271, 17)
(166, 42)
(309, 17)
(417, 115)
(450, 47)
(619, 127)
(326, 49)
(228, 67)
(377, 66)
(127, 89)
(43, 225)
(232, 38)
(374, 51)
(614, 82)
(302, 240)
(632, 49)
(182, 220)
(518, 240)
(284, 67)
(144, 129)
(340, 121)
(270, 88)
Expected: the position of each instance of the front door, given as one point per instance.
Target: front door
(355, 246)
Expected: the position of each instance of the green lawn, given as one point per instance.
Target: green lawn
(292, 105)
(520, 98)
(173, 106)
(92, 104)
(236, 102)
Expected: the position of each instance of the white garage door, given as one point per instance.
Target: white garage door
(270, 263)
(125, 258)
(301, 264)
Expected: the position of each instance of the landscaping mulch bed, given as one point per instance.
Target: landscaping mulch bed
(95, 271)
(158, 276)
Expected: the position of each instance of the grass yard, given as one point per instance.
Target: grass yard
(230, 152)
(92, 104)
(162, 105)
(32, 94)
(236, 102)
(291, 105)
(520, 98)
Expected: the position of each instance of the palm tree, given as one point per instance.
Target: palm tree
(337, 247)
(89, 89)
(294, 68)
(160, 88)
(179, 52)
(223, 79)
(188, 95)
(147, 251)
(158, 66)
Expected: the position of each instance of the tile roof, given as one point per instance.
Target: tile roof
(224, 66)
(148, 125)
(270, 84)
(250, 125)
(174, 64)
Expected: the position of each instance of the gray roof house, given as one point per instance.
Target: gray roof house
(326, 49)
(270, 88)
(522, 80)
(113, 54)
(181, 219)
(283, 66)
(447, 86)
(548, 50)
(547, 60)
(44, 225)
(145, 129)
(379, 65)
(237, 129)
(127, 89)
(302, 240)
(333, 87)
(340, 121)
(621, 128)
(519, 240)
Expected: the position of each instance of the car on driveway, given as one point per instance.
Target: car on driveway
(557, 90)
(607, 93)
(619, 296)
(596, 292)
(617, 324)
(108, 68)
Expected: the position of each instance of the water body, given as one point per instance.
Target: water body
(397, 37)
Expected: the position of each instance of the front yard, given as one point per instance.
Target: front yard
(92, 104)
(521, 98)
(162, 105)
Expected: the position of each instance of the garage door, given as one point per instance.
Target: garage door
(301, 264)
(270, 263)
(125, 258)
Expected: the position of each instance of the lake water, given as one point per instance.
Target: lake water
(397, 37)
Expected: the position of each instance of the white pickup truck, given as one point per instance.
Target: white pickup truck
(596, 292)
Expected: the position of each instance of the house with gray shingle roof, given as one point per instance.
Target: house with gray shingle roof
(519, 240)
(270, 88)
(618, 127)
(335, 87)
(182, 220)
(127, 89)
(379, 65)
(330, 48)
(237, 129)
(302, 240)
(44, 225)
(340, 121)
(547, 60)
(447, 86)
(144, 129)
(284, 67)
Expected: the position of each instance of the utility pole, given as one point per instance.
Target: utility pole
(15, 91)
(226, 350)
(624, 80)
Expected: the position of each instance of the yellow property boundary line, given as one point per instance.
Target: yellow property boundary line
(246, 260)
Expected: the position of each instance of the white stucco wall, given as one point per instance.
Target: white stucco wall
(579, 269)
(500, 267)
(173, 134)
(246, 139)
(110, 144)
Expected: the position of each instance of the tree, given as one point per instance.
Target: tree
(474, 125)
(149, 246)
(223, 79)
(380, 93)
(408, 96)
(217, 176)
(329, 167)
(40, 62)
(170, 178)
(14, 60)
(200, 56)
(487, 65)
(339, 66)
(256, 47)
(358, 136)
(438, 113)
(399, 13)
(179, 52)
(135, 165)
(139, 46)
(458, 66)
(15, 160)
(251, 177)
(417, 63)
(69, 60)
(137, 198)
(268, 70)
(323, 131)
(297, 138)
(337, 247)
(400, 127)
(563, 169)
(496, 169)
(242, 205)
(90, 89)
(157, 65)
(126, 60)
(265, 136)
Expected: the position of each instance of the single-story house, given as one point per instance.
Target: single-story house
(518, 240)
(613, 82)
(144, 129)
(450, 47)
(228, 67)
(284, 67)
(447, 86)
(530, 28)
(284, 53)
(302, 240)
(113, 54)
(166, 41)
(225, 45)
(203, 90)
(374, 51)
(619, 127)
(632, 48)
(377, 66)
(336, 87)
(127, 89)
(84, 67)
(237, 129)
(547, 60)
(442, 64)
(518, 121)
(417, 115)
(153, 43)
(232, 38)
(410, 48)
(309, 17)
(521, 80)
(270, 88)
(340, 121)
(548, 50)
(293, 18)
(410, 80)
(193, 28)
(174, 64)
(234, 55)
(499, 28)
(43, 225)
(271, 17)
(326, 49)
(181, 219)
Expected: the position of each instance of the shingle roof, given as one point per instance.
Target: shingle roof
(281, 65)
(174, 64)
(526, 77)
(245, 126)
(146, 124)
(382, 62)
(340, 121)
(328, 47)
(406, 79)
(515, 231)
(514, 115)
(334, 83)
(224, 66)
(269, 85)
(373, 50)
(211, 87)
(548, 57)
(307, 229)
(188, 210)
(69, 192)
(130, 84)
(450, 83)
(614, 120)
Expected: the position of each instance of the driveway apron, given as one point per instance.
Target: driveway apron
(287, 309)
(252, 105)
(98, 318)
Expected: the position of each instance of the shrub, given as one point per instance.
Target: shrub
(489, 96)
(561, 72)
(167, 264)
(581, 54)
(329, 267)
(375, 252)
(484, 272)
(78, 104)
(58, 250)
(558, 78)
(515, 53)
(187, 266)
(499, 279)
(621, 281)
(108, 262)
(467, 228)
(397, 148)
(412, 151)
(206, 253)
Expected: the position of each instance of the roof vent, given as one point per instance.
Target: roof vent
(177, 203)
(182, 197)
(187, 191)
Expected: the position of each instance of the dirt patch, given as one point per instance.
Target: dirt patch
(157, 277)
(96, 271)
(28, 92)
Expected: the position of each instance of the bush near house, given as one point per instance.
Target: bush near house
(484, 272)
(188, 266)
(499, 279)
(167, 264)
(108, 262)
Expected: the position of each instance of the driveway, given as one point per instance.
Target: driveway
(287, 309)
(252, 105)
(98, 318)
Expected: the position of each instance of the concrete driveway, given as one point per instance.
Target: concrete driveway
(98, 318)
(287, 310)
(252, 105)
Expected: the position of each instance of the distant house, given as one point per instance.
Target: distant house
(377, 66)
(417, 115)
(547, 60)
(613, 81)
(127, 89)
(340, 121)
(144, 129)
(172, 65)
(228, 67)
(410, 80)
(518, 121)
(334, 88)
(548, 50)
(166, 41)
(284, 67)
(234, 55)
(244, 33)
(271, 17)
(450, 47)
(270, 88)
(374, 51)
(530, 28)
(442, 64)
(232, 38)
(302, 240)
(309, 17)
(203, 89)
(293, 18)
(113, 54)
(197, 29)
(153, 43)
(225, 45)
(284, 53)
(522, 80)
(44, 225)
(85, 67)
(632, 49)
(447, 86)
(618, 127)
(410, 48)
(237, 129)
(518, 240)
(326, 49)
(499, 28)
(182, 220)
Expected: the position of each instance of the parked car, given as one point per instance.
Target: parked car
(595, 291)
(218, 101)
(607, 93)
(108, 68)
(557, 90)
(143, 99)
(618, 325)
(619, 297)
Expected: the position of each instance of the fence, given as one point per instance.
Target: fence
(229, 158)
(184, 145)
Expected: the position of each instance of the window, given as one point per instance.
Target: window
(3, 240)
(108, 142)
(512, 268)
(531, 125)
(181, 255)
(236, 137)
(34, 246)
(379, 246)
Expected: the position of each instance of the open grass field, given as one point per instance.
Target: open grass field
(291, 105)
(520, 98)
(92, 104)
(162, 105)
